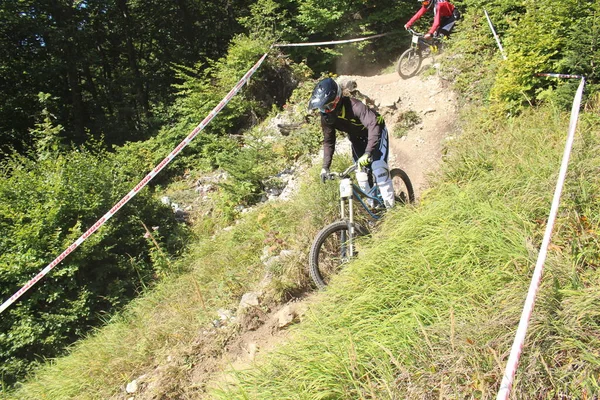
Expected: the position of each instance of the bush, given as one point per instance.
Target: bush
(46, 205)
(546, 40)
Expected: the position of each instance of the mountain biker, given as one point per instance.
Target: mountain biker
(365, 129)
(444, 17)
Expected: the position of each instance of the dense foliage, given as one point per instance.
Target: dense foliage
(107, 61)
(537, 36)
(47, 203)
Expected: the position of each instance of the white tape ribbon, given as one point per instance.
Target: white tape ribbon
(495, 35)
(517, 347)
(137, 187)
(328, 43)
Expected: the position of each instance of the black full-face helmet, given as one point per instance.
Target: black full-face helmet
(325, 97)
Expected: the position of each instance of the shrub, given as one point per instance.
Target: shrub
(46, 205)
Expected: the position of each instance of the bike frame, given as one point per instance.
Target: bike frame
(349, 190)
(418, 43)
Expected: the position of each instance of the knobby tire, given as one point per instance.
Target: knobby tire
(403, 193)
(409, 63)
(328, 252)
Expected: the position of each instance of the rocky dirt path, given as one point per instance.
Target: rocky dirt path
(418, 151)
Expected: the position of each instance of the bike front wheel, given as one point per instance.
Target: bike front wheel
(409, 63)
(403, 188)
(329, 252)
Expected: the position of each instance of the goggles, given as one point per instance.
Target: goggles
(329, 107)
(425, 3)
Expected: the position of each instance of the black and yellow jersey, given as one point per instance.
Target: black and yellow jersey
(361, 123)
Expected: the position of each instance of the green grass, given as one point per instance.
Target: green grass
(429, 309)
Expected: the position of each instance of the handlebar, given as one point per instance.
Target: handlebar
(419, 34)
(344, 174)
(412, 31)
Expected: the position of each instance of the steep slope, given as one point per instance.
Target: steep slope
(419, 150)
(432, 109)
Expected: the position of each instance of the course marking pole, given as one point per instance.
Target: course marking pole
(495, 35)
(517, 347)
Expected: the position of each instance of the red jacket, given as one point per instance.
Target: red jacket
(441, 10)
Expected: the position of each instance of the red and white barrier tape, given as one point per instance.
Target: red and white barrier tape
(517, 347)
(137, 187)
(331, 42)
(562, 76)
(159, 168)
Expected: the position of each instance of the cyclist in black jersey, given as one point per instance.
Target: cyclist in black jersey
(366, 130)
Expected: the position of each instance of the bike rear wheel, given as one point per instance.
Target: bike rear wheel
(409, 63)
(329, 252)
(403, 189)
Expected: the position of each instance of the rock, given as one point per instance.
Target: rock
(250, 299)
(290, 189)
(251, 349)
(286, 253)
(287, 315)
(266, 281)
(272, 261)
(132, 386)
(225, 315)
(266, 253)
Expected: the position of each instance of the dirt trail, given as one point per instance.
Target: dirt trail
(418, 152)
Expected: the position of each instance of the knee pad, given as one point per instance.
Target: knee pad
(381, 170)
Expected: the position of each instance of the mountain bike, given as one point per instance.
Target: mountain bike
(334, 245)
(410, 61)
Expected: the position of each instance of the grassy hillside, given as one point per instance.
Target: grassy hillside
(429, 310)
(168, 321)
(430, 307)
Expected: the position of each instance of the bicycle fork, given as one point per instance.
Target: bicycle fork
(347, 245)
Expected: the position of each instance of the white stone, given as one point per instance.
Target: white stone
(249, 299)
(132, 386)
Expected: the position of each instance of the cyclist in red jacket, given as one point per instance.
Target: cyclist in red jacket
(443, 17)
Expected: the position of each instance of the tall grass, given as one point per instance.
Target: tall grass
(430, 307)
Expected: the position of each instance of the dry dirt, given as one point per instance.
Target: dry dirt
(419, 152)
(190, 372)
